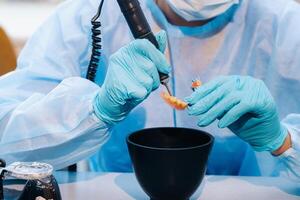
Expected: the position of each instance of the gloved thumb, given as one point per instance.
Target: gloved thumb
(162, 40)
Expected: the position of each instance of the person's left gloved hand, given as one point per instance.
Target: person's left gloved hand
(244, 105)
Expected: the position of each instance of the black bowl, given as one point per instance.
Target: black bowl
(169, 163)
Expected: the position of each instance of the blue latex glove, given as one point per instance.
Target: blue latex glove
(244, 105)
(132, 75)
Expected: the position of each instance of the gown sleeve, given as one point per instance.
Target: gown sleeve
(46, 111)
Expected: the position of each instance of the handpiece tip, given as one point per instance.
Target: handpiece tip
(168, 89)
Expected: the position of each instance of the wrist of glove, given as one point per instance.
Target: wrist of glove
(107, 107)
(242, 104)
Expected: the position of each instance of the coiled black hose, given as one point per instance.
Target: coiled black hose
(95, 56)
(2, 165)
(96, 43)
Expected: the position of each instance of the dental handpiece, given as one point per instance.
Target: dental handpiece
(140, 29)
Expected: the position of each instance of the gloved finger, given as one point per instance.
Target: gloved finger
(155, 77)
(149, 68)
(233, 115)
(143, 78)
(208, 101)
(136, 91)
(147, 49)
(162, 40)
(204, 90)
(218, 110)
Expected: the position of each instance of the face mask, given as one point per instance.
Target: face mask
(194, 10)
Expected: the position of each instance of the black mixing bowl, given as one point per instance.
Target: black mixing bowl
(169, 163)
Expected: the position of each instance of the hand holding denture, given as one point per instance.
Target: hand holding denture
(244, 105)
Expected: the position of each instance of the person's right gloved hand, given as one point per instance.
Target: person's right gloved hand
(132, 75)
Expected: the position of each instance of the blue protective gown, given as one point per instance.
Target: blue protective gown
(46, 109)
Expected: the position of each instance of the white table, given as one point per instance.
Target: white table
(114, 186)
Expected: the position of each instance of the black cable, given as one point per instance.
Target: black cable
(2, 163)
(1, 184)
(96, 50)
(95, 56)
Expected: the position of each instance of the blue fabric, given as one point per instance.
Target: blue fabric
(46, 104)
(240, 43)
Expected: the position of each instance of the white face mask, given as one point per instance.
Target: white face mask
(194, 10)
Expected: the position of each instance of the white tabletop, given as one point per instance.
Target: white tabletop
(114, 186)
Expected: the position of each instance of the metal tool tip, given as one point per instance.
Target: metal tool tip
(167, 87)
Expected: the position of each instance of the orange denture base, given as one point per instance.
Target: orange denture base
(196, 83)
(173, 101)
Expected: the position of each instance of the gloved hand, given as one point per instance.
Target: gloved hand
(132, 75)
(244, 105)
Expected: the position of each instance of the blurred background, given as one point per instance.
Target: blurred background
(18, 20)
